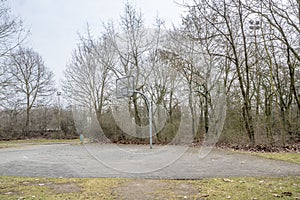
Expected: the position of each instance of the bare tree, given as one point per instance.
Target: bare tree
(88, 76)
(32, 81)
(281, 19)
(132, 45)
(225, 22)
(11, 36)
(284, 20)
(11, 30)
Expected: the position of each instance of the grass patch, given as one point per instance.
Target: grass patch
(16, 143)
(292, 157)
(52, 189)
(100, 188)
(250, 188)
(289, 157)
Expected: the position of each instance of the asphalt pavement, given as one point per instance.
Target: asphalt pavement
(136, 161)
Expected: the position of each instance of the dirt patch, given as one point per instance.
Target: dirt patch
(156, 189)
(63, 188)
(184, 189)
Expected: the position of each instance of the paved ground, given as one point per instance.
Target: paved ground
(135, 161)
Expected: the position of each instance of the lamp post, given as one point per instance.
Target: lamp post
(255, 25)
(58, 93)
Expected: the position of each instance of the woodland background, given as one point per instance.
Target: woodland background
(250, 51)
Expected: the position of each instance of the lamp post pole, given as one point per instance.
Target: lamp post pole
(255, 25)
(58, 93)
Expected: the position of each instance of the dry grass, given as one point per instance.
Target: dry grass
(17, 143)
(99, 188)
(288, 157)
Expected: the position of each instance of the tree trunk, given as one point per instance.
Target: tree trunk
(206, 119)
(192, 110)
(27, 123)
(268, 114)
(136, 111)
(247, 115)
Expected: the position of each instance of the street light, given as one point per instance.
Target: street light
(254, 25)
(58, 93)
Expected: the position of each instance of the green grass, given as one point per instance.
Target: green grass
(99, 188)
(16, 143)
(289, 157)
(252, 188)
(42, 188)
(292, 157)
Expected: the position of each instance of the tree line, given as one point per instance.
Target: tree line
(231, 65)
(27, 86)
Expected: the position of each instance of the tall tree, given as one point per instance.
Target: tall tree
(32, 81)
(88, 76)
(11, 30)
(282, 19)
(224, 22)
(132, 45)
(11, 36)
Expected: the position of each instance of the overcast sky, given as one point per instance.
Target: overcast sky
(54, 24)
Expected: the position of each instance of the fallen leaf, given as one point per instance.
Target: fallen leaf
(229, 197)
(205, 195)
(8, 193)
(277, 195)
(287, 194)
(227, 180)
